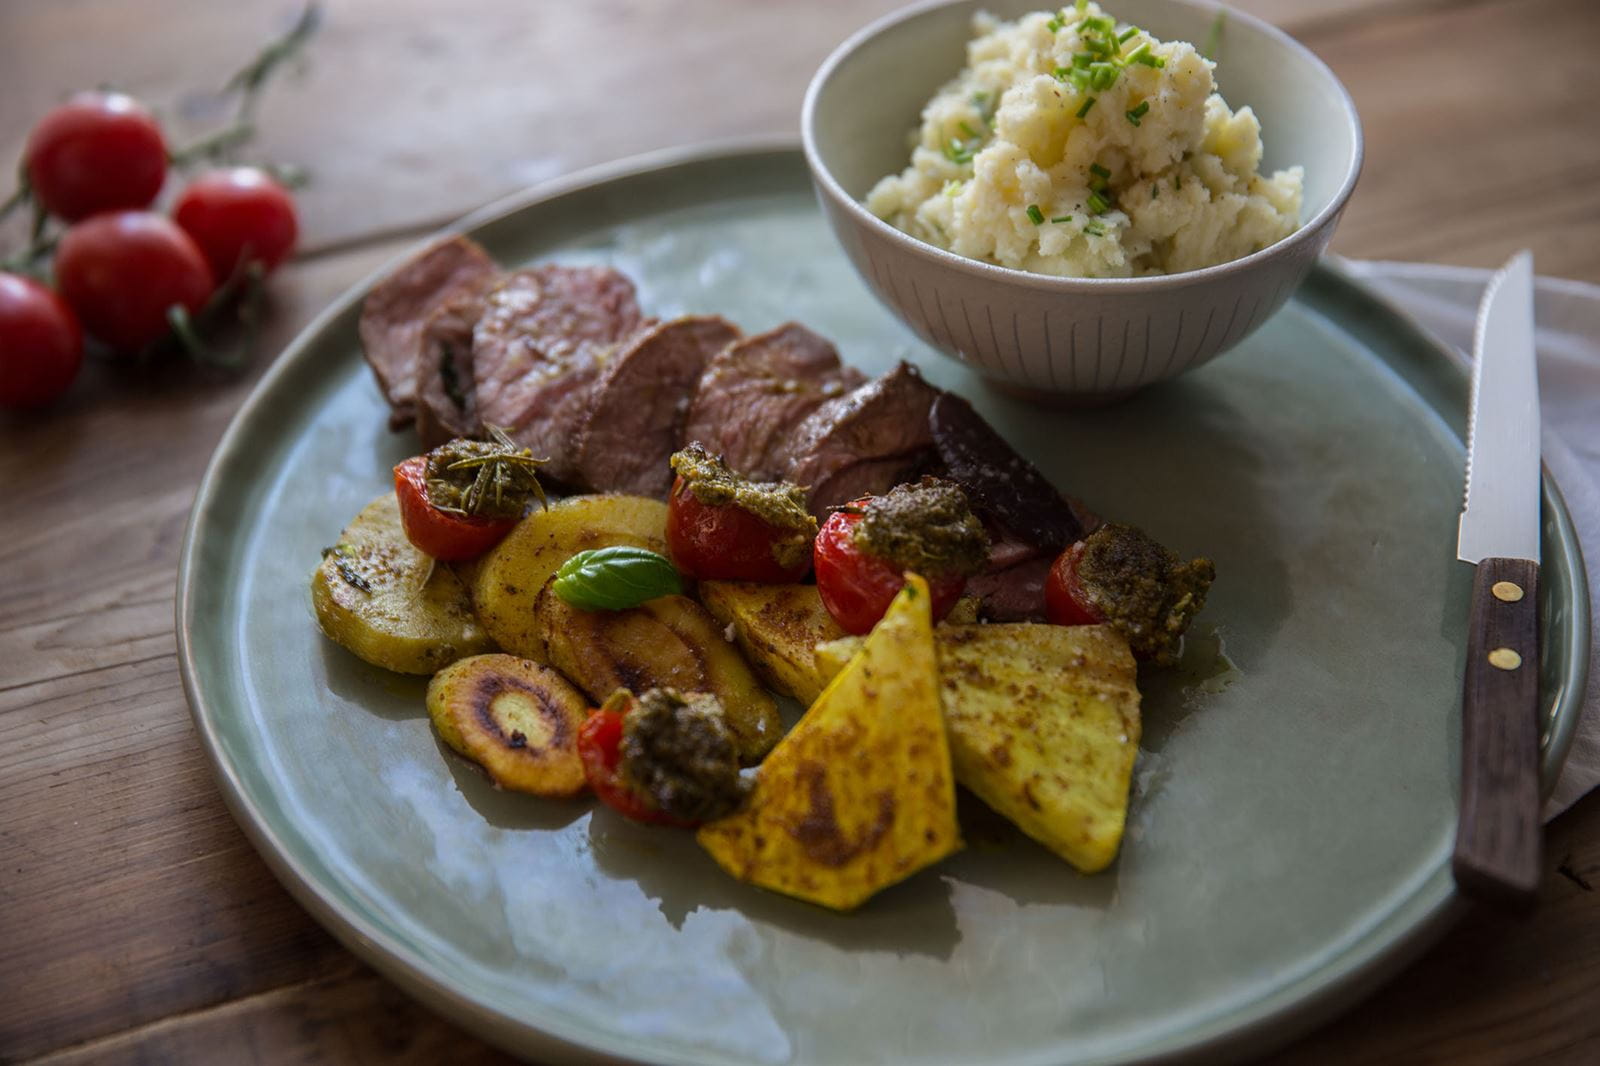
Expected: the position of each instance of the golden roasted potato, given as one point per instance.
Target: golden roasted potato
(516, 719)
(509, 578)
(860, 794)
(778, 628)
(667, 642)
(1044, 726)
(390, 604)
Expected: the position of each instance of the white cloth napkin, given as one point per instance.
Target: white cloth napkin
(1445, 300)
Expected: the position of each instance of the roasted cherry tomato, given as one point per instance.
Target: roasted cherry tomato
(122, 272)
(1064, 601)
(725, 542)
(856, 587)
(97, 152)
(445, 536)
(237, 216)
(600, 749)
(41, 345)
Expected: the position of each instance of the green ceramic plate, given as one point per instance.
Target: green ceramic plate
(1292, 814)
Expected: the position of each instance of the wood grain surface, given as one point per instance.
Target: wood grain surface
(136, 923)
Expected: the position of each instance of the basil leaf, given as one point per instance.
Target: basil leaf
(613, 579)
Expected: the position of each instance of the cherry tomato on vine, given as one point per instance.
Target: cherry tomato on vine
(445, 536)
(121, 272)
(856, 587)
(238, 215)
(600, 750)
(41, 344)
(1064, 601)
(725, 542)
(97, 152)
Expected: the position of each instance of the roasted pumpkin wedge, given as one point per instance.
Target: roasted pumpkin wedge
(778, 628)
(860, 794)
(1044, 727)
(667, 642)
(507, 580)
(388, 603)
(516, 719)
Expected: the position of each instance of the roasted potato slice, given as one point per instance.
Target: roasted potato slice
(860, 794)
(516, 719)
(384, 600)
(778, 628)
(509, 578)
(668, 642)
(1044, 727)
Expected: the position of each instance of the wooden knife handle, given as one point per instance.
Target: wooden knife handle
(1497, 854)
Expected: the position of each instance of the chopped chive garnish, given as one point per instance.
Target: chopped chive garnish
(1035, 215)
(1082, 60)
(1139, 112)
(1139, 53)
(1102, 76)
(1095, 228)
(1062, 218)
(1087, 104)
(1098, 204)
(1080, 79)
(959, 151)
(1054, 25)
(1151, 60)
(1131, 31)
(1099, 171)
(968, 130)
(1082, 6)
(1061, 73)
(1214, 36)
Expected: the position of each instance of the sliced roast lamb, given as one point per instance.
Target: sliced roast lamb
(640, 402)
(865, 442)
(1013, 593)
(393, 314)
(538, 348)
(754, 394)
(447, 403)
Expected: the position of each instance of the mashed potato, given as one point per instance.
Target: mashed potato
(1078, 146)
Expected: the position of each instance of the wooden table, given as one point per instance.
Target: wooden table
(136, 923)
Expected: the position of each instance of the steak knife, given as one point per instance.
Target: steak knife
(1497, 850)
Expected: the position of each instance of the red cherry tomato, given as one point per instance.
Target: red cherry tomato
(1064, 601)
(857, 587)
(236, 216)
(121, 272)
(447, 537)
(724, 542)
(600, 750)
(41, 345)
(96, 152)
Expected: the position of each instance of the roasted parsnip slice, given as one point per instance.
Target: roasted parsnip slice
(516, 719)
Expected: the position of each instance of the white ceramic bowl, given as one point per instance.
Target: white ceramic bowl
(1080, 340)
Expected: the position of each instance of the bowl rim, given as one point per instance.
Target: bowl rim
(1310, 231)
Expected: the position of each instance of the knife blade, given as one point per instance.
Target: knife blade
(1498, 836)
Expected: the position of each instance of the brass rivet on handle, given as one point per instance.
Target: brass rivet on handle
(1506, 591)
(1504, 659)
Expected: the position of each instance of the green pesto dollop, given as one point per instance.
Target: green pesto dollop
(927, 527)
(780, 504)
(679, 752)
(483, 478)
(1142, 589)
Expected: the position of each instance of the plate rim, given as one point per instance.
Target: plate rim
(1396, 939)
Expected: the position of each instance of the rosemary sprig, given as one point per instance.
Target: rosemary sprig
(499, 467)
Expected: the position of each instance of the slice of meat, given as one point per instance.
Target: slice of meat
(1000, 483)
(754, 394)
(1013, 593)
(640, 402)
(447, 403)
(538, 348)
(866, 441)
(394, 312)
